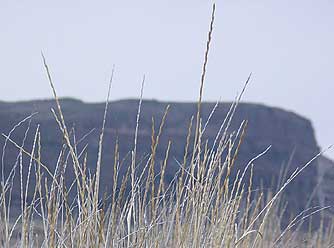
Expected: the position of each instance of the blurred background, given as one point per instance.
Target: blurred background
(287, 45)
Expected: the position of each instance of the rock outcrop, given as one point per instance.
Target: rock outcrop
(291, 137)
(326, 184)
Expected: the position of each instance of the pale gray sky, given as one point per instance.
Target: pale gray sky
(287, 44)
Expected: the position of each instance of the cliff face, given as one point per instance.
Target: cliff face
(326, 184)
(291, 136)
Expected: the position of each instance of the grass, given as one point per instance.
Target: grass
(203, 206)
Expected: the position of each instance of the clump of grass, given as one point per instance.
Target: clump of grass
(203, 206)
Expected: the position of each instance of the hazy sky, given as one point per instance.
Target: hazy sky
(287, 44)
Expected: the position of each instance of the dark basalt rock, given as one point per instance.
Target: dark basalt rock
(290, 135)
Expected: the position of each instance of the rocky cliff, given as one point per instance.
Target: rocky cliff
(290, 135)
(326, 184)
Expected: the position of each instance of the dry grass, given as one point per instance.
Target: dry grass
(202, 207)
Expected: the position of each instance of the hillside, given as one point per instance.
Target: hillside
(291, 136)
